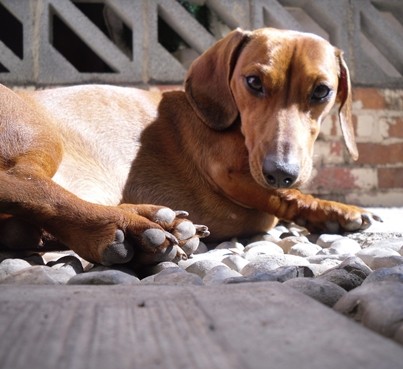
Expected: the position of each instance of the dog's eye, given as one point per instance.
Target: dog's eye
(320, 93)
(254, 83)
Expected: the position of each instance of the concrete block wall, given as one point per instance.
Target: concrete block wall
(54, 33)
(41, 43)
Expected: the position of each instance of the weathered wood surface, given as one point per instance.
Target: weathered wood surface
(260, 325)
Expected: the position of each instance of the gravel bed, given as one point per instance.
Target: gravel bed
(359, 275)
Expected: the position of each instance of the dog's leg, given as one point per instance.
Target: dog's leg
(102, 234)
(319, 215)
(315, 214)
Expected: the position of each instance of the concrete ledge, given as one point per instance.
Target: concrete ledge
(258, 325)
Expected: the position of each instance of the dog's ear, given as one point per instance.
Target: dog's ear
(344, 98)
(207, 83)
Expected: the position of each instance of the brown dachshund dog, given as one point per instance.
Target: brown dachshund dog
(231, 149)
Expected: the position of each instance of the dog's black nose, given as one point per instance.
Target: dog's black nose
(280, 174)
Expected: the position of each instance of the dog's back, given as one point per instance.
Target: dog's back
(100, 128)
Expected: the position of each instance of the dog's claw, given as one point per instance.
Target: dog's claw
(368, 219)
(154, 238)
(202, 231)
(377, 218)
(180, 254)
(181, 214)
(171, 238)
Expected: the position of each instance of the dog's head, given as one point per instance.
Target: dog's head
(281, 84)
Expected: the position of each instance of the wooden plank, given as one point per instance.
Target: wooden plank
(231, 326)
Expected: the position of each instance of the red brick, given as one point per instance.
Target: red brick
(390, 177)
(337, 148)
(334, 178)
(378, 154)
(396, 129)
(371, 98)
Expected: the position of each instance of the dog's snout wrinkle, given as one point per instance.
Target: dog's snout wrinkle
(280, 174)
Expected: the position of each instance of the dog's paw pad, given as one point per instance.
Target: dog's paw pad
(165, 215)
(119, 236)
(119, 252)
(355, 224)
(184, 230)
(154, 238)
(187, 229)
(190, 246)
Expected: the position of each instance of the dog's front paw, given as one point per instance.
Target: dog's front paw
(334, 217)
(352, 222)
(170, 236)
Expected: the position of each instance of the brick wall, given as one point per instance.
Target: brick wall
(376, 178)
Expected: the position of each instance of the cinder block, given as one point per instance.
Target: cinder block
(234, 13)
(326, 18)
(270, 13)
(21, 71)
(163, 66)
(376, 41)
(53, 68)
(369, 33)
